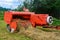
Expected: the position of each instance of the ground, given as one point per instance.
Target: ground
(32, 34)
(5, 35)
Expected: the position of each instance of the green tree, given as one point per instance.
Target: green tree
(51, 7)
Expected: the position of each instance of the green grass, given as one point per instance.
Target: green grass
(56, 22)
(5, 35)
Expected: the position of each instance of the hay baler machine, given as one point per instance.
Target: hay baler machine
(15, 19)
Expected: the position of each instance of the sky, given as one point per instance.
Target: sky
(12, 4)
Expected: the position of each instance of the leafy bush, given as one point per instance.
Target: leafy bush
(56, 22)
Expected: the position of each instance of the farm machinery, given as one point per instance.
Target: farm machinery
(14, 19)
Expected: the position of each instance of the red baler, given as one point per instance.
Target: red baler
(34, 19)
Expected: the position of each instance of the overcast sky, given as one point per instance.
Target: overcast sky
(10, 3)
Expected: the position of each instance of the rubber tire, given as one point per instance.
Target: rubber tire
(49, 19)
(8, 28)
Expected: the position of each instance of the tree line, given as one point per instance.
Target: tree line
(51, 7)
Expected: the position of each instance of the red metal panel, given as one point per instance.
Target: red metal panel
(13, 25)
(7, 17)
(21, 13)
(39, 19)
(43, 18)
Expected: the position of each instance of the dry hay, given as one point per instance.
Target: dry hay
(37, 34)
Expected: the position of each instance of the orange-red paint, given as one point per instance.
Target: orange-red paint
(35, 19)
(13, 25)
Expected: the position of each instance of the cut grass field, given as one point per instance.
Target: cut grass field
(44, 33)
(5, 35)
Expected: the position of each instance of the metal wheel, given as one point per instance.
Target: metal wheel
(11, 30)
(49, 19)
